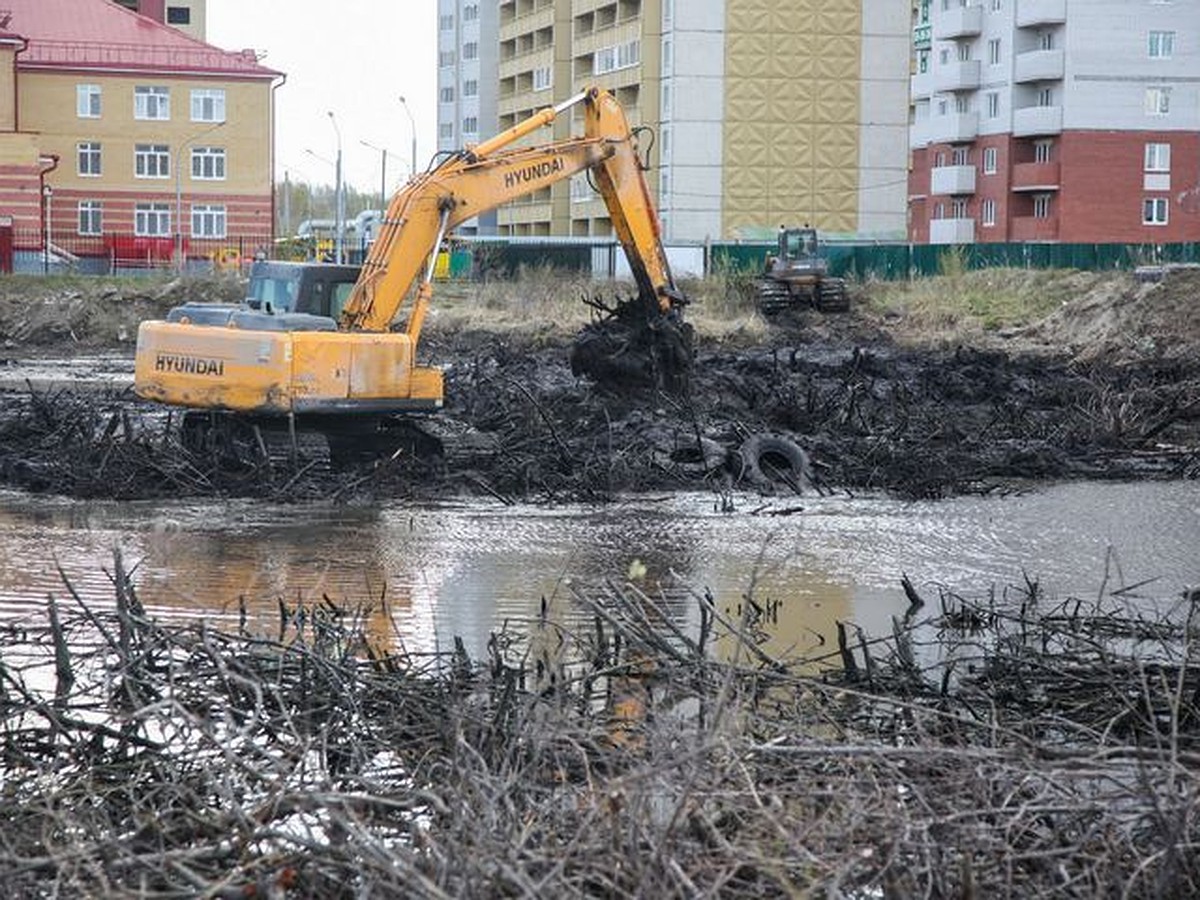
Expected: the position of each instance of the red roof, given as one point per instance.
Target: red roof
(99, 34)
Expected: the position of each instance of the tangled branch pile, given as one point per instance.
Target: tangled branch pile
(657, 752)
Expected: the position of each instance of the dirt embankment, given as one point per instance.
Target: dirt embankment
(1106, 386)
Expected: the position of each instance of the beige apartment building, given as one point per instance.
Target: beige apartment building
(763, 112)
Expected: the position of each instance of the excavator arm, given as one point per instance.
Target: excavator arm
(492, 173)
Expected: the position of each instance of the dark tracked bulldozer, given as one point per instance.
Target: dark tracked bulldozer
(797, 276)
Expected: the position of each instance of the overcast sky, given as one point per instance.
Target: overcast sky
(354, 58)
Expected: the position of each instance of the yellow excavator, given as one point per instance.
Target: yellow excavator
(341, 370)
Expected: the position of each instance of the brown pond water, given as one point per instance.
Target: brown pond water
(465, 570)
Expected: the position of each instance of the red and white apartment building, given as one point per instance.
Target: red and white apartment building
(1076, 121)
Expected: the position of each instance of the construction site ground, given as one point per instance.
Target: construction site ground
(926, 389)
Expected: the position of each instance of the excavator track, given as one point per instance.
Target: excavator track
(773, 296)
(831, 296)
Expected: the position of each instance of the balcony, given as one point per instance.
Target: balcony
(960, 128)
(952, 231)
(960, 22)
(1040, 65)
(1035, 176)
(921, 86)
(1033, 13)
(1031, 228)
(952, 180)
(960, 75)
(1031, 121)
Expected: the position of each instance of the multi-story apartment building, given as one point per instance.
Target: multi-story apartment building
(111, 123)
(1055, 120)
(468, 45)
(764, 112)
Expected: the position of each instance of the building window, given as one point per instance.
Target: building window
(987, 213)
(541, 78)
(179, 15)
(208, 105)
(446, 58)
(152, 219)
(1043, 151)
(629, 54)
(1158, 158)
(208, 163)
(665, 111)
(960, 156)
(993, 105)
(1154, 211)
(89, 158)
(962, 104)
(470, 12)
(997, 5)
(668, 12)
(1161, 44)
(1041, 206)
(994, 52)
(470, 125)
(445, 131)
(446, 23)
(446, 95)
(1046, 40)
(1158, 101)
(91, 217)
(471, 88)
(471, 50)
(958, 208)
(87, 101)
(208, 221)
(604, 60)
(964, 52)
(151, 103)
(923, 60)
(151, 161)
(1045, 97)
(990, 160)
(666, 57)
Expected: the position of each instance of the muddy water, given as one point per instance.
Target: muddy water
(466, 570)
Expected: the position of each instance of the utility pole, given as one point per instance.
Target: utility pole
(413, 127)
(338, 199)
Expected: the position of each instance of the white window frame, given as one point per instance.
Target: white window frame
(1157, 157)
(470, 50)
(993, 104)
(987, 213)
(90, 220)
(446, 94)
(211, 219)
(151, 103)
(629, 54)
(959, 208)
(991, 157)
(208, 164)
(1156, 211)
(470, 125)
(152, 219)
(208, 104)
(1160, 44)
(994, 52)
(604, 60)
(88, 101)
(89, 160)
(471, 87)
(1043, 151)
(543, 78)
(446, 131)
(446, 22)
(960, 156)
(151, 161)
(1041, 206)
(470, 12)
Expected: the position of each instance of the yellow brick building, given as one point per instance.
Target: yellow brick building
(123, 137)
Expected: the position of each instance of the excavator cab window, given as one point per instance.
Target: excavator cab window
(800, 244)
(277, 294)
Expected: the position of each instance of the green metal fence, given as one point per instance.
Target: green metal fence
(891, 262)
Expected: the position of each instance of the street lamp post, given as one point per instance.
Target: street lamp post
(413, 127)
(179, 191)
(338, 200)
(382, 175)
(47, 196)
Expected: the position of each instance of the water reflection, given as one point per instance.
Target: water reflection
(463, 570)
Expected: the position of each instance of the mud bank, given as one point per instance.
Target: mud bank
(868, 414)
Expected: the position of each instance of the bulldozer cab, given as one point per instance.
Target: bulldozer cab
(796, 244)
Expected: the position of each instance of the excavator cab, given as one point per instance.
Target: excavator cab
(797, 276)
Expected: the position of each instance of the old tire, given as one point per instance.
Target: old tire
(768, 459)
